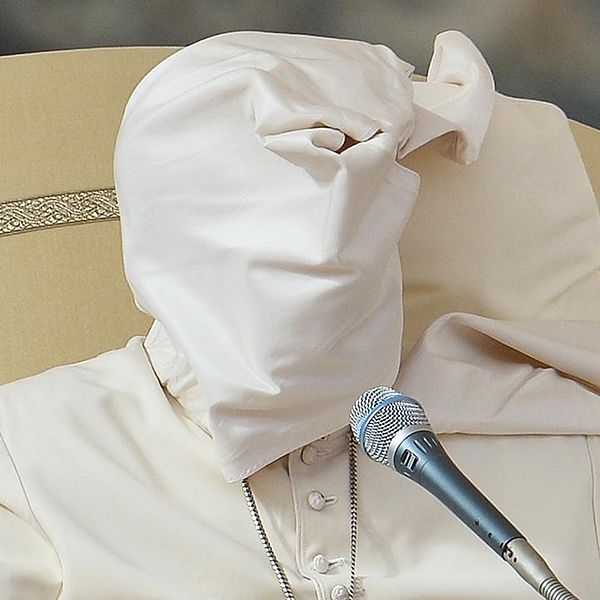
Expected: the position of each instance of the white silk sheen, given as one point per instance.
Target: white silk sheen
(270, 262)
(261, 208)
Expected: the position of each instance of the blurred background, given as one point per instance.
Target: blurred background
(543, 49)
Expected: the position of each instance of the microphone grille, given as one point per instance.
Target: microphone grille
(388, 412)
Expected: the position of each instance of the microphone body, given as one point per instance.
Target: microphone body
(393, 429)
(420, 457)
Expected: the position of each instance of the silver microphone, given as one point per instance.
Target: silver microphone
(393, 429)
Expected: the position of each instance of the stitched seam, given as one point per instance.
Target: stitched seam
(14, 465)
(594, 488)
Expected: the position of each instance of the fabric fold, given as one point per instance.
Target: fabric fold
(485, 376)
(457, 99)
(261, 208)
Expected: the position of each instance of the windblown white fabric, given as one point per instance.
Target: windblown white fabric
(111, 487)
(261, 206)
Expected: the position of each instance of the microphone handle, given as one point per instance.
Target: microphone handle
(420, 457)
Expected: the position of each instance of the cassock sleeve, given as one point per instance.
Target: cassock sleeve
(29, 565)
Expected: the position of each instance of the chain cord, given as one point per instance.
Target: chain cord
(353, 479)
(266, 544)
(264, 540)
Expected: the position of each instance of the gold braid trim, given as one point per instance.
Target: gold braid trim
(19, 216)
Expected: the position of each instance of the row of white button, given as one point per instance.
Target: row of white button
(318, 501)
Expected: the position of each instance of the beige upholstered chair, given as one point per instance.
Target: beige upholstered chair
(64, 297)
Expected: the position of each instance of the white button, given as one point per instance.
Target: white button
(320, 564)
(309, 455)
(317, 501)
(339, 592)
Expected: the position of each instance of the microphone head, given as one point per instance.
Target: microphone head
(378, 415)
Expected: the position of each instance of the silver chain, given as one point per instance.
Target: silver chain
(266, 544)
(353, 488)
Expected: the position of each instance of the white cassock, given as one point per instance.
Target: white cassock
(266, 183)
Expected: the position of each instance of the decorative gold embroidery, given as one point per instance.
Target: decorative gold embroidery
(18, 216)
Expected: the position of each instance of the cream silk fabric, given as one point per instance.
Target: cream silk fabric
(268, 255)
(111, 478)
